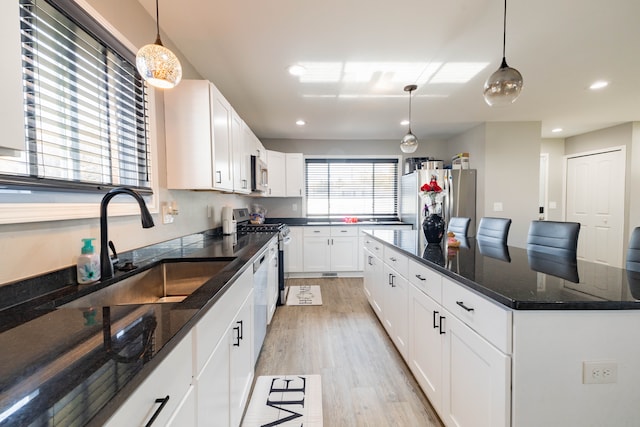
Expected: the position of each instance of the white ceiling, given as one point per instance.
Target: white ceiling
(559, 46)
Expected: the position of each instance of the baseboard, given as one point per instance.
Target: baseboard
(320, 275)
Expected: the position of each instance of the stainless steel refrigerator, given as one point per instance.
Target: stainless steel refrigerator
(458, 195)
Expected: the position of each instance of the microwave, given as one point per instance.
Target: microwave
(259, 175)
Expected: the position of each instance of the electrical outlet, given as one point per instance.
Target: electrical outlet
(497, 207)
(294, 207)
(599, 372)
(167, 215)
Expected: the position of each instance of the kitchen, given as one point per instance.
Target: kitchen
(52, 242)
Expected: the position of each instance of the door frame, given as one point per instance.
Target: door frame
(623, 166)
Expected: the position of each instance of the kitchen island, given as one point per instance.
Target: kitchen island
(63, 364)
(498, 337)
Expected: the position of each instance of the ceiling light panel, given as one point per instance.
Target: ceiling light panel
(321, 72)
(458, 72)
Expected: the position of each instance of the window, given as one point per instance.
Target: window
(352, 187)
(86, 112)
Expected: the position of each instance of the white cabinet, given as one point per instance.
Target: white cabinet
(285, 174)
(294, 175)
(198, 122)
(330, 248)
(373, 226)
(162, 392)
(241, 155)
(374, 280)
(185, 415)
(276, 163)
(294, 250)
(12, 106)
(224, 355)
(395, 306)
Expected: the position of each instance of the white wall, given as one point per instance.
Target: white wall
(32, 249)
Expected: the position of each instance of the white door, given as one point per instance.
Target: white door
(595, 199)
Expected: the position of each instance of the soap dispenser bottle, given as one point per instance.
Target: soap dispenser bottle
(88, 263)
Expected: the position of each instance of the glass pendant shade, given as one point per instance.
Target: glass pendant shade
(409, 143)
(159, 66)
(503, 86)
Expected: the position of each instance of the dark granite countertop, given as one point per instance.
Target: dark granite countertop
(53, 360)
(521, 280)
(301, 222)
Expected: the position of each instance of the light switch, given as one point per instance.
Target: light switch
(497, 206)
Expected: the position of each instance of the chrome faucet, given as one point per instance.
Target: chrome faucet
(106, 267)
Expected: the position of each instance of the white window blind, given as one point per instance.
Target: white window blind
(85, 105)
(352, 187)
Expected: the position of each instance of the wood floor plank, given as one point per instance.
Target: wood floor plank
(365, 382)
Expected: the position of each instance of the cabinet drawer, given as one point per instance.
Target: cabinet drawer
(211, 328)
(488, 319)
(396, 260)
(171, 378)
(338, 231)
(317, 231)
(425, 279)
(372, 245)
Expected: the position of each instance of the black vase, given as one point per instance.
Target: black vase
(433, 227)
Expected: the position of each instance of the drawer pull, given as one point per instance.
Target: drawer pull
(461, 304)
(442, 331)
(391, 277)
(162, 403)
(435, 314)
(393, 259)
(420, 277)
(370, 260)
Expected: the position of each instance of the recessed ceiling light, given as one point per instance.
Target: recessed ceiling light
(556, 130)
(297, 70)
(404, 122)
(598, 85)
(301, 122)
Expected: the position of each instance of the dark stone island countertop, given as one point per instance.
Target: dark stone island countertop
(54, 369)
(520, 280)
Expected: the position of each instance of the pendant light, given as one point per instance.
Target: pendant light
(503, 86)
(157, 65)
(409, 142)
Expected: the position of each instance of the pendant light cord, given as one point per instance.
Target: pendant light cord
(504, 30)
(410, 110)
(158, 41)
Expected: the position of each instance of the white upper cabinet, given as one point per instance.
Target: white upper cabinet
(241, 155)
(294, 175)
(198, 125)
(276, 163)
(11, 107)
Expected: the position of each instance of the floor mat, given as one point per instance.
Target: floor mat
(304, 295)
(286, 401)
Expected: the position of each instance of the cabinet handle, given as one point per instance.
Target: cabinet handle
(316, 231)
(300, 191)
(435, 314)
(343, 231)
(393, 259)
(391, 277)
(461, 304)
(420, 277)
(370, 259)
(442, 332)
(241, 329)
(218, 177)
(162, 403)
(331, 242)
(244, 183)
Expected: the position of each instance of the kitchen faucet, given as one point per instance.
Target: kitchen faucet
(106, 267)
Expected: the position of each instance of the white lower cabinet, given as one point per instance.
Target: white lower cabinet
(185, 415)
(294, 251)
(224, 356)
(456, 342)
(162, 393)
(330, 249)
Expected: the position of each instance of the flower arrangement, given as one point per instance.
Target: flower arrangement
(431, 193)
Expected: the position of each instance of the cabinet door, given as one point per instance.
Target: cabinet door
(344, 253)
(295, 175)
(272, 282)
(294, 251)
(212, 388)
(276, 164)
(425, 345)
(240, 155)
(221, 113)
(373, 282)
(189, 150)
(317, 254)
(241, 360)
(477, 379)
(395, 314)
(185, 414)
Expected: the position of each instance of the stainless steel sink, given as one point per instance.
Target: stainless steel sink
(167, 282)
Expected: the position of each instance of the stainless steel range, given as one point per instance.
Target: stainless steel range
(244, 226)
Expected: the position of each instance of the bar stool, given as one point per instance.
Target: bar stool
(555, 238)
(493, 230)
(633, 252)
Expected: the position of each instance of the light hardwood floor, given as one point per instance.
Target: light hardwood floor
(365, 382)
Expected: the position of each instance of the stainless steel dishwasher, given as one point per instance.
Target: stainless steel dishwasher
(260, 282)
